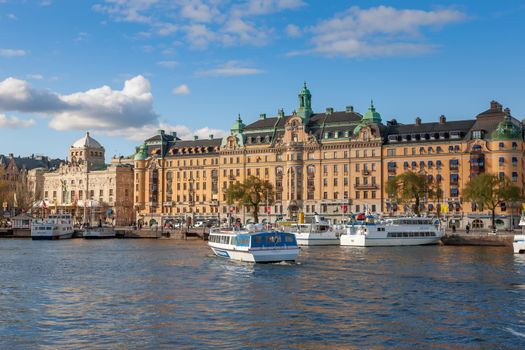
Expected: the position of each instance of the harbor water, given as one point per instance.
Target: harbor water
(152, 294)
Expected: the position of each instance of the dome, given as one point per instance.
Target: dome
(87, 142)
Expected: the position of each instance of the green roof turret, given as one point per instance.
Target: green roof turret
(141, 152)
(506, 129)
(305, 104)
(238, 126)
(371, 116)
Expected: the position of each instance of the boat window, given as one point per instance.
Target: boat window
(288, 239)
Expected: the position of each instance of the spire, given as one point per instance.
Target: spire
(305, 104)
(238, 126)
(372, 116)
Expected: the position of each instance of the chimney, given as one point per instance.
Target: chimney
(262, 116)
(174, 134)
(418, 121)
(280, 113)
(160, 131)
(11, 155)
(349, 109)
(329, 110)
(495, 105)
(211, 136)
(195, 137)
(442, 119)
(507, 111)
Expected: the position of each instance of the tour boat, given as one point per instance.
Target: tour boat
(99, 232)
(53, 227)
(256, 247)
(314, 234)
(402, 231)
(519, 244)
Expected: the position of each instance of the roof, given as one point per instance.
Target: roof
(454, 125)
(86, 142)
(32, 162)
(316, 120)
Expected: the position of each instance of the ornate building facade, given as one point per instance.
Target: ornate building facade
(332, 163)
(86, 184)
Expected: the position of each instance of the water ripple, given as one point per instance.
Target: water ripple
(78, 294)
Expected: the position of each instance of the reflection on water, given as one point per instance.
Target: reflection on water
(163, 293)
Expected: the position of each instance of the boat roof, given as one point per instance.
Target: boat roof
(251, 233)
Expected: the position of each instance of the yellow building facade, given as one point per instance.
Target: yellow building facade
(331, 163)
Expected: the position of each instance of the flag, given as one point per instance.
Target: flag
(44, 206)
(15, 202)
(523, 206)
(444, 209)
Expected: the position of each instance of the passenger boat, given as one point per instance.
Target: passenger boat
(256, 247)
(53, 227)
(314, 234)
(402, 231)
(519, 244)
(99, 232)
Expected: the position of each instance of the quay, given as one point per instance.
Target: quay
(479, 238)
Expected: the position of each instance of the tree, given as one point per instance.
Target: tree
(489, 191)
(251, 193)
(410, 187)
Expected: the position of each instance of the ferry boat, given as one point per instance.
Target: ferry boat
(256, 247)
(99, 232)
(314, 234)
(519, 244)
(402, 231)
(53, 227)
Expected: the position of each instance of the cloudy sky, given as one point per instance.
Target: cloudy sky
(123, 69)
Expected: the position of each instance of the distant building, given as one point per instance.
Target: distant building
(332, 163)
(88, 188)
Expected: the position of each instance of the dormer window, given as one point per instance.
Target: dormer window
(477, 134)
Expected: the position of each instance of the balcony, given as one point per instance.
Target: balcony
(365, 186)
(214, 202)
(365, 172)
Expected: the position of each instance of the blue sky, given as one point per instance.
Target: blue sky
(123, 69)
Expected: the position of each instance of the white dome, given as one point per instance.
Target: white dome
(87, 142)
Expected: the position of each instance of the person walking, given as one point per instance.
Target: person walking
(467, 228)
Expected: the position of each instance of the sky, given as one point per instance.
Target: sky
(124, 69)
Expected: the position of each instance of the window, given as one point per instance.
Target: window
(325, 182)
(501, 145)
(405, 151)
(391, 152)
(501, 161)
(345, 168)
(514, 176)
(335, 169)
(357, 195)
(335, 181)
(514, 161)
(477, 134)
(374, 194)
(325, 195)
(514, 146)
(357, 167)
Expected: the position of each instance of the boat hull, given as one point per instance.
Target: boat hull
(316, 241)
(49, 237)
(258, 256)
(363, 241)
(519, 244)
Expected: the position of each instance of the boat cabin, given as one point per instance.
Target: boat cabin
(254, 240)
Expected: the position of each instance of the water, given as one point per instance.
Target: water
(172, 294)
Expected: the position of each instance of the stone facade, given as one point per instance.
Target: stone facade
(88, 188)
(332, 163)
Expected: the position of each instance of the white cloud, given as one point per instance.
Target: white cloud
(201, 23)
(12, 16)
(168, 64)
(230, 69)
(181, 90)
(100, 108)
(377, 31)
(35, 76)
(293, 31)
(183, 132)
(12, 52)
(14, 122)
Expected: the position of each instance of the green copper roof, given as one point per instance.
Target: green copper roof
(305, 104)
(506, 130)
(238, 126)
(141, 153)
(371, 116)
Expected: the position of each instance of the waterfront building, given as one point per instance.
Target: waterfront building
(332, 163)
(86, 186)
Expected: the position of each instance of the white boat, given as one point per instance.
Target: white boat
(254, 247)
(402, 231)
(53, 227)
(519, 244)
(99, 232)
(314, 234)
